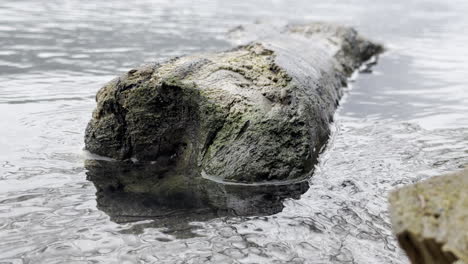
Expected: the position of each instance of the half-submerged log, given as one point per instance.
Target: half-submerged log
(259, 112)
(430, 219)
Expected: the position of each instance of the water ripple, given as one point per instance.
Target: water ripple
(404, 122)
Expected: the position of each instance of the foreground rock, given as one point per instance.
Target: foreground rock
(259, 112)
(430, 219)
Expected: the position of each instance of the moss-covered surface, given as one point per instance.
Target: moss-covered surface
(430, 219)
(259, 112)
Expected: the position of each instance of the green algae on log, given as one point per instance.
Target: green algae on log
(259, 112)
(430, 219)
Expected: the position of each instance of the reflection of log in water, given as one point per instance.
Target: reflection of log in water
(129, 191)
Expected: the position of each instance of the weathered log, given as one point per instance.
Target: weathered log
(430, 219)
(259, 112)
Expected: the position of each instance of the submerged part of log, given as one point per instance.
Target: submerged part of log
(130, 192)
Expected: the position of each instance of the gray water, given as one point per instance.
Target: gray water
(405, 121)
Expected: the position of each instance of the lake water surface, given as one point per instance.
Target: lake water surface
(405, 121)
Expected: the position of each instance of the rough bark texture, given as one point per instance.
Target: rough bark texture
(430, 219)
(259, 112)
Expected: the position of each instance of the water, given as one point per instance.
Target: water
(402, 123)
